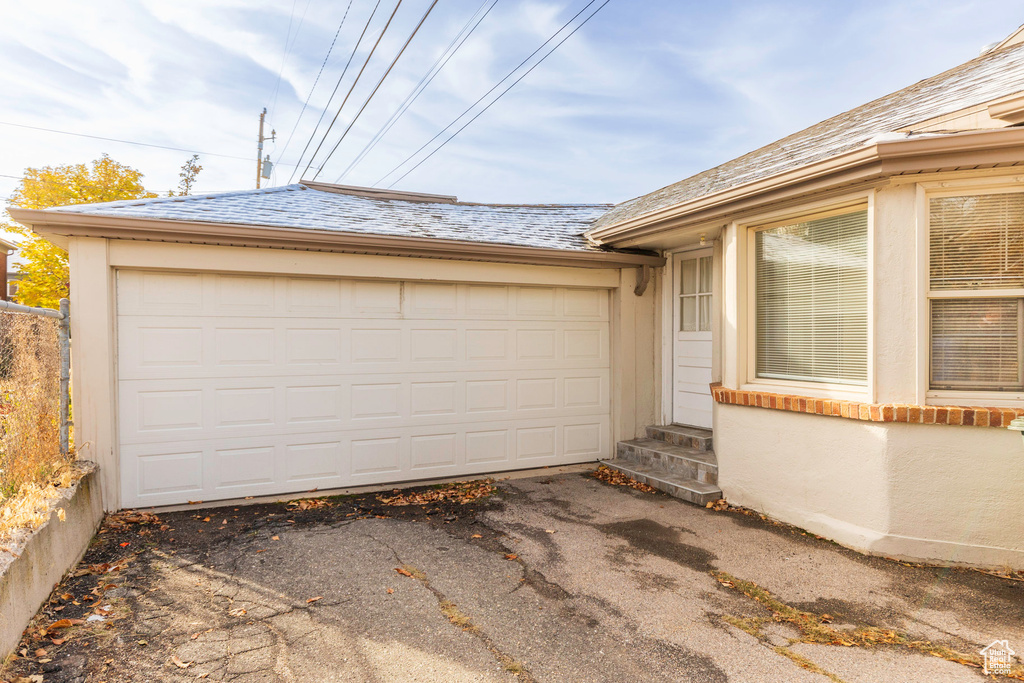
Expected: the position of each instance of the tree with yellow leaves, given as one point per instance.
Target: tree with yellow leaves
(45, 268)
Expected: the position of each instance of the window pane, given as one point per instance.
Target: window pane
(689, 276)
(705, 275)
(977, 242)
(705, 313)
(811, 300)
(975, 344)
(688, 318)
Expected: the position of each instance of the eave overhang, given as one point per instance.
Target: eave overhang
(59, 226)
(879, 160)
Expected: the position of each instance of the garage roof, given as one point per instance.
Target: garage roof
(995, 74)
(367, 211)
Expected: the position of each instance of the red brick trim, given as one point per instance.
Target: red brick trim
(871, 412)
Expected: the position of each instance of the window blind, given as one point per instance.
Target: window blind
(975, 344)
(811, 300)
(977, 242)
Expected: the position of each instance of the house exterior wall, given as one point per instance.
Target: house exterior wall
(936, 493)
(94, 261)
(933, 492)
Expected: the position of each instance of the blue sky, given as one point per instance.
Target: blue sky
(644, 95)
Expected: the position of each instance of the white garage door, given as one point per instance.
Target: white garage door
(235, 386)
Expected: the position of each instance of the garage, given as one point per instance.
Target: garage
(233, 385)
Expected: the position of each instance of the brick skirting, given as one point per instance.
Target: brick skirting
(870, 412)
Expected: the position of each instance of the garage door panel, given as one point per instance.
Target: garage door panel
(153, 410)
(152, 347)
(204, 469)
(216, 295)
(250, 385)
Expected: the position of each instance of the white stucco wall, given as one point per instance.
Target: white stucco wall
(923, 492)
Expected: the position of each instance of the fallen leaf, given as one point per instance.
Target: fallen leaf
(312, 600)
(40, 652)
(239, 612)
(206, 519)
(550, 531)
(66, 596)
(143, 642)
(275, 538)
(125, 544)
(224, 522)
(476, 536)
(403, 572)
(195, 502)
(262, 550)
(511, 556)
(390, 591)
(63, 623)
(57, 641)
(180, 664)
(61, 514)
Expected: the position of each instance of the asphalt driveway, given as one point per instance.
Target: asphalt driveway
(553, 578)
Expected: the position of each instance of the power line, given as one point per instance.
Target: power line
(349, 93)
(335, 91)
(376, 87)
(289, 42)
(434, 70)
(124, 142)
(316, 80)
(492, 102)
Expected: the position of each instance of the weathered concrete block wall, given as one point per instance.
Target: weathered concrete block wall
(42, 557)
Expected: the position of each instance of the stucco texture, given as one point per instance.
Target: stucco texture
(931, 493)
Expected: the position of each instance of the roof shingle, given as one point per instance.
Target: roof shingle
(297, 206)
(991, 76)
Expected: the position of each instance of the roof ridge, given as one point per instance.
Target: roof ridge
(143, 201)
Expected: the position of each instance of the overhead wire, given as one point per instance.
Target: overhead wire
(316, 80)
(376, 87)
(495, 87)
(126, 142)
(289, 43)
(350, 90)
(335, 91)
(434, 70)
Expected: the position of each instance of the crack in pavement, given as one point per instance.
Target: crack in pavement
(457, 618)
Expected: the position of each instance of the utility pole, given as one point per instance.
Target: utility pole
(259, 148)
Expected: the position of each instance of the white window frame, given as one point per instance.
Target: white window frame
(954, 188)
(740, 355)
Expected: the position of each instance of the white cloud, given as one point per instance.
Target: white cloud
(644, 95)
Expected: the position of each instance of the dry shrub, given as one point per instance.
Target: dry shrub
(31, 462)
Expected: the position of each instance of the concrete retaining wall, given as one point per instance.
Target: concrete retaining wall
(42, 557)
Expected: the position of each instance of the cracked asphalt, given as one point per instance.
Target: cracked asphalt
(554, 578)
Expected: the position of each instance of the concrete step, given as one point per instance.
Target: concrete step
(692, 437)
(674, 484)
(690, 463)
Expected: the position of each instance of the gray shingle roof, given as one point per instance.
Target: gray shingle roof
(990, 76)
(297, 206)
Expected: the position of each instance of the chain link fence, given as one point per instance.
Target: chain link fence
(34, 396)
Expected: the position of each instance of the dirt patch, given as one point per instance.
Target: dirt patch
(657, 539)
(117, 568)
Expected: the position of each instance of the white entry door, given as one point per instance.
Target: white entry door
(234, 386)
(691, 354)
